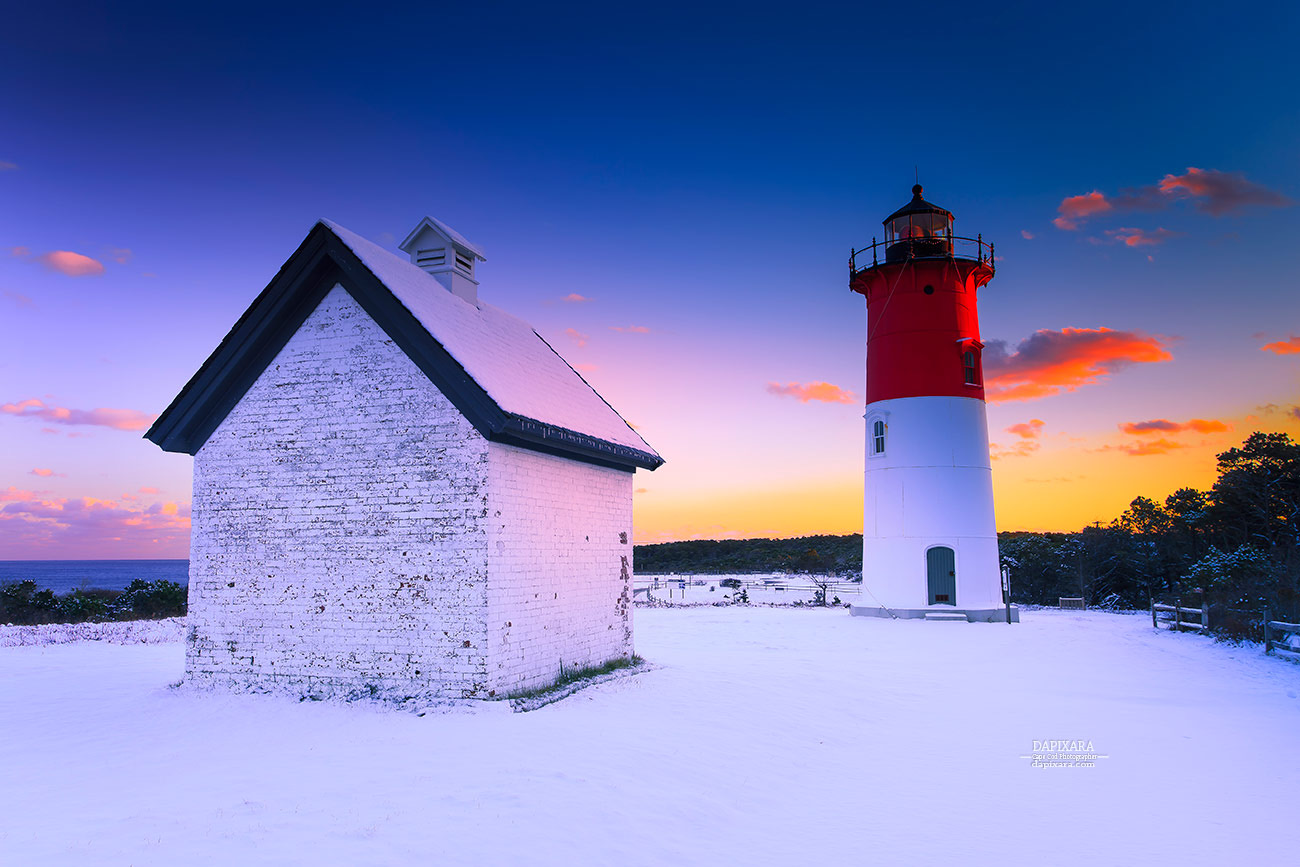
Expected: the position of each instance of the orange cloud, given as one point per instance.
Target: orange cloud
(1075, 209)
(1028, 433)
(1051, 362)
(72, 264)
(630, 329)
(1151, 447)
(150, 491)
(804, 392)
(118, 419)
(1141, 237)
(15, 495)
(1165, 426)
(43, 473)
(1290, 346)
(577, 336)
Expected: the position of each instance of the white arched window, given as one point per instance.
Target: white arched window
(970, 367)
(878, 437)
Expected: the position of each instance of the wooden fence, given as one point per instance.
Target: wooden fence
(1176, 616)
(1280, 636)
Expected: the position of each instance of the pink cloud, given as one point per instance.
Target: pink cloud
(1220, 193)
(150, 491)
(1290, 346)
(20, 252)
(120, 255)
(1052, 362)
(1029, 430)
(6, 166)
(1026, 234)
(1028, 433)
(118, 419)
(1075, 209)
(630, 329)
(20, 299)
(15, 495)
(1212, 191)
(804, 392)
(1140, 237)
(577, 336)
(71, 264)
(575, 298)
(586, 368)
(43, 473)
(91, 527)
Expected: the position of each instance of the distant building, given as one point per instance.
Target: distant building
(399, 489)
(929, 542)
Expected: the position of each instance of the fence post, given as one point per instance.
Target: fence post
(1178, 614)
(1205, 616)
(1154, 623)
(1268, 642)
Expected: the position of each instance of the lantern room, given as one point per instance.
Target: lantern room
(918, 229)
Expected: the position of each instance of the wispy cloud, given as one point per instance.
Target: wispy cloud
(1026, 234)
(823, 392)
(118, 419)
(1051, 362)
(630, 329)
(1146, 448)
(120, 255)
(63, 261)
(575, 298)
(1165, 426)
(1132, 237)
(1290, 346)
(6, 166)
(33, 523)
(1211, 191)
(20, 299)
(1027, 435)
(43, 473)
(577, 336)
(586, 368)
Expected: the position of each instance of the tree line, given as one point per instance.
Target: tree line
(1238, 543)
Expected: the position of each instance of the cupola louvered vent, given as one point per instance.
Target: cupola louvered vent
(444, 253)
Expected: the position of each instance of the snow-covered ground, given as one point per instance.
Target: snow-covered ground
(762, 736)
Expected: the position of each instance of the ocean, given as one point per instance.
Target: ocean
(62, 576)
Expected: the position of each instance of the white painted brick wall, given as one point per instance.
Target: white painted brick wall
(339, 540)
(559, 566)
(354, 535)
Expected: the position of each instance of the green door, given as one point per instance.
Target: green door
(941, 572)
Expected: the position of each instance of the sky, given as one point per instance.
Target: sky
(669, 194)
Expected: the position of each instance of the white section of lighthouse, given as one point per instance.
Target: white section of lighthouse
(929, 542)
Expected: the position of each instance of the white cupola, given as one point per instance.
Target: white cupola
(443, 252)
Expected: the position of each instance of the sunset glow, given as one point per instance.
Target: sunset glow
(672, 209)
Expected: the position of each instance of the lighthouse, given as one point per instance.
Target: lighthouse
(929, 543)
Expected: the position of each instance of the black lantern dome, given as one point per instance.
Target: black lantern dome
(918, 229)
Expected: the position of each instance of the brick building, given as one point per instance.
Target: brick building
(399, 490)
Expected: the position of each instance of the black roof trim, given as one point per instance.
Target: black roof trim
(321, 262)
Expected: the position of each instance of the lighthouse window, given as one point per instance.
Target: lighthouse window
(878, 437)
(968, 361)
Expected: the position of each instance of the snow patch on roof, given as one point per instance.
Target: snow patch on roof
(504, 355)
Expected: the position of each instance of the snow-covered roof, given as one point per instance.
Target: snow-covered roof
(518, 369)
(441, 228)
(499, 372)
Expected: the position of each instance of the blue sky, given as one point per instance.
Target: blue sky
(696, 171)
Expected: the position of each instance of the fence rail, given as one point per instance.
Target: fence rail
(1287, 630)
(1172, 616)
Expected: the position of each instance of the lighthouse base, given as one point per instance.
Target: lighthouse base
(972, 615)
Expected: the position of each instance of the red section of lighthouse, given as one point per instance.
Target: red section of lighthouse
(929, 539)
